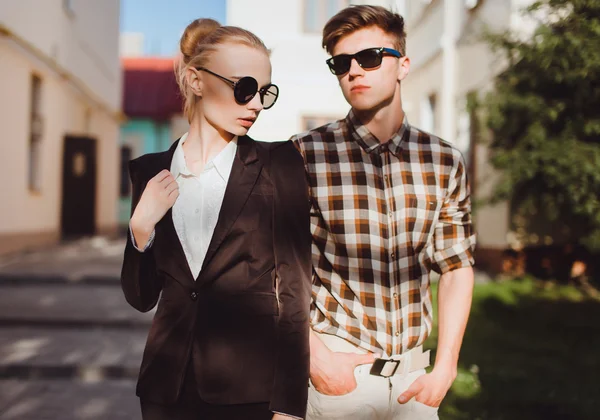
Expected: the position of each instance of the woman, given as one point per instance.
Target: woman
(220, 240)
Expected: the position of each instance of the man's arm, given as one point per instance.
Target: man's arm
(454, 241)
(455, 292)
(331, 373)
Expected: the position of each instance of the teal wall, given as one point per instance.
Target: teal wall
(156, 137)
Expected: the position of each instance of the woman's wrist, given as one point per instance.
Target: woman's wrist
(141, 226)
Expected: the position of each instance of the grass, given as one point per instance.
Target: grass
(531, 351)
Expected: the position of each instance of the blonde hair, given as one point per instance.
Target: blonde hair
(354, 18)
(198, 42)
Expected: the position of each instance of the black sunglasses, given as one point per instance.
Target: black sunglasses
(367, 59)
(247, 87)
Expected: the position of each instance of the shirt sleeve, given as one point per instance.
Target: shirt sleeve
(454, 237)
(148, 244)
(292, 248)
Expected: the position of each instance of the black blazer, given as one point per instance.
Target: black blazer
(244, 322)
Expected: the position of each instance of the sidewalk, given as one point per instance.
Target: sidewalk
(93, 260)
(70, 345)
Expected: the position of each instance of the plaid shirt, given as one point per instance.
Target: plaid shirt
(383, 216)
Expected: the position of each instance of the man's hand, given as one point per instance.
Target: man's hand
(429, 389)
(278, 416)
(333, 373)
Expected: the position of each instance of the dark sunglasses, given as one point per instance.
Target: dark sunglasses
(247, 87)
(367, 59)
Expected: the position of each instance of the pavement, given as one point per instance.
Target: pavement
(70, 345)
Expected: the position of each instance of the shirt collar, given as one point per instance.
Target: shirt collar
(178, 165)
(362, 135)
(222, 162)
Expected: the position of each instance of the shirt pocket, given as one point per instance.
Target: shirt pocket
(422, 215)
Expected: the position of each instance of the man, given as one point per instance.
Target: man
(390, 203)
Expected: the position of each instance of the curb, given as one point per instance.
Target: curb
(68, 372)
(76, 323)
(58, 280)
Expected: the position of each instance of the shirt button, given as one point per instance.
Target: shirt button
(391, 214)
(397, 333)
(197, 211)
(194, 295)
(395, 295)
(393, 255)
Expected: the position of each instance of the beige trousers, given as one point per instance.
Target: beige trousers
(375, 398)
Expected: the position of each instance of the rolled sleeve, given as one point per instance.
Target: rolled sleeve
(454, 236)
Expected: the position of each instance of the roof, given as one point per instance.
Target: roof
(150, 89)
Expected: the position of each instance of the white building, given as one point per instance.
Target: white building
(60, 96)
(131, 44)
(292, 30)
(449, 62)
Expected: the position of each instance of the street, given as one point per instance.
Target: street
(70, 345)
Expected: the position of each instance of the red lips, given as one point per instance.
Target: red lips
(247, 122)
(359, 88)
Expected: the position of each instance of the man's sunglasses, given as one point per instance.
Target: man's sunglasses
(367, 59)
(247, 87)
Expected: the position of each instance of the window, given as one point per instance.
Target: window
(428, 113)
(68, 6)
(35, 135)
(125, 184)
(471, 4)
(318, 12)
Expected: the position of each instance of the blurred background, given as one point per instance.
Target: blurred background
(85, 86)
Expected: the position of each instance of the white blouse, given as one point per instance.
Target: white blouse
(196, 210)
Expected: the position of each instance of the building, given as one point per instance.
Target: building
(152, 106)
(60, 97)
(131, 44)
(449, 62)
(309, 93)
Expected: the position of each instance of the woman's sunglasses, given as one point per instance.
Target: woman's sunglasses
(367, 59)
(247, 87)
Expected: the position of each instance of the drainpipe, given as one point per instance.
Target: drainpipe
(452, 18)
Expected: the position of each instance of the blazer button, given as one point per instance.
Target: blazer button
(194, 295)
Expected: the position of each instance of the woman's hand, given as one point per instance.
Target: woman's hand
(158, 197)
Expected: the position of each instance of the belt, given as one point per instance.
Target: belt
(400, 364)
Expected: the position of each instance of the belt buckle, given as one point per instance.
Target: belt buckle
(384, 367)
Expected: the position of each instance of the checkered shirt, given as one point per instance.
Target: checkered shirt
(383, 216)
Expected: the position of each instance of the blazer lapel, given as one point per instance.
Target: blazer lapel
(166, 227)
(244, 173)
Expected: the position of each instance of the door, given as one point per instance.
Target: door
(79, 187)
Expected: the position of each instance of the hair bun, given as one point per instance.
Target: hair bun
(193, 36)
